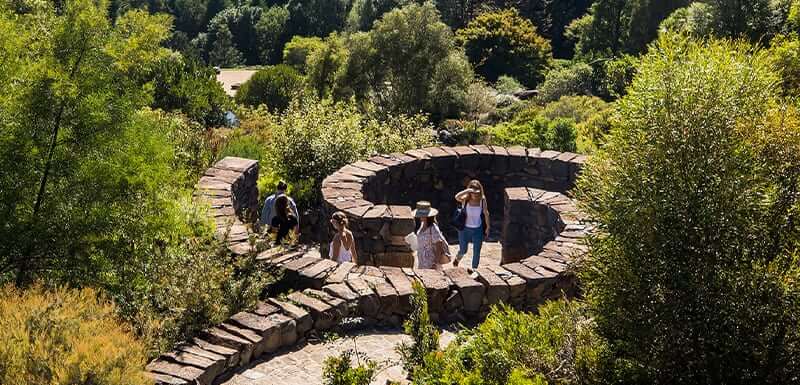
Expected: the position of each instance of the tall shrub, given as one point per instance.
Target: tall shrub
(66, 337)
(695, 278)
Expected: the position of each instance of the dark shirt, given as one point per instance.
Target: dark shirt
(284, 226)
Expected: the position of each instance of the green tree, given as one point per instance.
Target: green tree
(256, 33)
(504, 43)
(317, 17)
(297, 51)
(274, 87)
(573, 80)
(186, 86)
(694, 278)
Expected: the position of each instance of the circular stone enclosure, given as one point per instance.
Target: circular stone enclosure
(378, 195)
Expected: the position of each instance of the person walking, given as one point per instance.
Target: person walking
(268, 212)
(284, 220)
(476, 223)
(343, 246)
(432, 248)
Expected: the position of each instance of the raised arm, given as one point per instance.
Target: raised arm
(463, 195)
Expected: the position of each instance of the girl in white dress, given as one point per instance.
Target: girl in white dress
(343, 246)
(428, 236)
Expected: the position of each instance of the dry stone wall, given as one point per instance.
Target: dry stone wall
(378, 194)
(327, 292)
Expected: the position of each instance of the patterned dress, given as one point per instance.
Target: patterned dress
(426, 239)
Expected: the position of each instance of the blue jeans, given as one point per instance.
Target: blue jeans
(464, 237)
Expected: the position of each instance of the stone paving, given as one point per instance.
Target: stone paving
(303, 364)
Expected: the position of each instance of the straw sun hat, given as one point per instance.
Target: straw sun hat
(425, 210)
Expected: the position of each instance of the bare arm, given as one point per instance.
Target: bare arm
(463, 195)
(486, 216)
(337, 245)
(353, 248)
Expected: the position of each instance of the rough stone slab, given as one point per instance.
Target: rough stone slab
(164, 379)
(233, 163)
(377, 211)
(288, 328)
(418, 154)
(232, 356)
(186, 372)
(471, 291)
(211, 368)
(390, 303)
(436, 286)
(549, 264)
(339, 274)
(288, 257)
(516, 285)
(530, 276)
(339, 304)
(302, 318)
(324, 315)
(401, 284)
(341, 290)
(297, 264)
(198, 351)
(259, 342)
(355, 171)
(497, 289)
(264, 309)
(317, 272)
(222, 337)
(369, 166)
(368, 302)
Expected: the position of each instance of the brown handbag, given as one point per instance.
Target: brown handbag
(440, 251)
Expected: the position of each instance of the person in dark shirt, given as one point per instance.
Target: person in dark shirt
(284, 220)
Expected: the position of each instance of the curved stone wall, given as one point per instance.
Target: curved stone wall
(327, 291)
(378, 194)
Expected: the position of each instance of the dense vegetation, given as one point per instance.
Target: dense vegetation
(110, 112)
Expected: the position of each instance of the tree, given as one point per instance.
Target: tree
(297, 51)
(694, 278)
(274, 87)
(186, 86)
(409, 44)
(317, 17)
(504, 43)
(256, 33)
(735, 18)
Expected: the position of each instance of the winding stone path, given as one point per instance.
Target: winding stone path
(303, 364)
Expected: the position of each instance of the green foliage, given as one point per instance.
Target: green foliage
(312, 139)
(245, 35)
(317, 17)
(504, 43)
(297, 51)
(424, 334)
(697, 19)
(274, 87)
(65, 337)
(340, 371)
(186, 86)
(785, 51)
(572, 80)
(619, 74)
(559, 345)
(695, 276)
(558, 134)
(793, 19)
(508, 85)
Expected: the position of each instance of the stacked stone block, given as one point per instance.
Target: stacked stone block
(378, 194)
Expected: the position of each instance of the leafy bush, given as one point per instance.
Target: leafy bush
(508, 85)
(577, 108)
(340, 371)
(785, 51)
(695, 277)
(557, 346)
(312, 139)
(65, 336)
(558, 134)
(697, 19)
(505, 43)
(618, 75)
(274, 87)
(297, 50)
(424, 335)
(573, 80)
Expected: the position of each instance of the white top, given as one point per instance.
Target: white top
(344, 254)
(426, 258)
(474, 216)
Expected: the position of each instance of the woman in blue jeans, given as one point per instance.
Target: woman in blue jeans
(476, 226)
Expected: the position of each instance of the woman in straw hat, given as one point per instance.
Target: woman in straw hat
(429, 237)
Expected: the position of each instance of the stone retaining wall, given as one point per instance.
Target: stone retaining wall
(378, 194)
(327, 291)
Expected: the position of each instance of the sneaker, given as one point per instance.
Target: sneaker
(473, 275)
